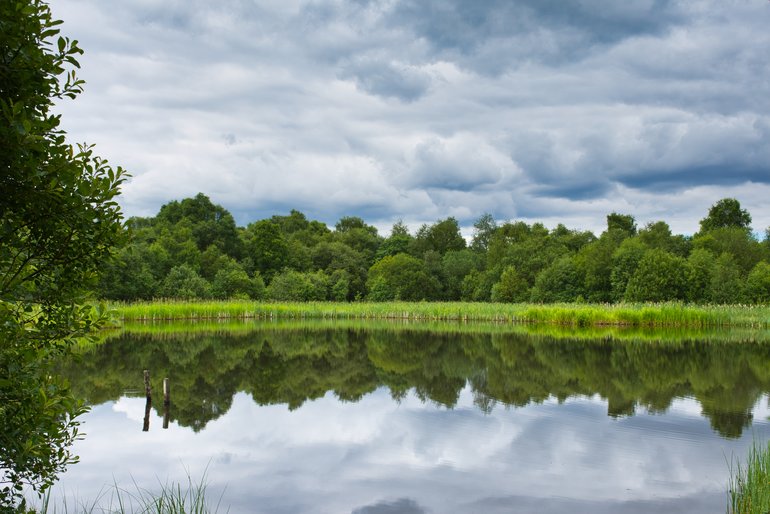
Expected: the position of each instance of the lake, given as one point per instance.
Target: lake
(385, 418)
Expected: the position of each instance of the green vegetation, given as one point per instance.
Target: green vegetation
(285, 362)
(634, 315)
(58, 225)
(749, 487)
(193, 250)
(170, 499)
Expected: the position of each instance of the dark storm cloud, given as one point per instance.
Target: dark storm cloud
(720, 175)
(492, 36)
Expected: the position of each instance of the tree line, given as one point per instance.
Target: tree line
(193, 249)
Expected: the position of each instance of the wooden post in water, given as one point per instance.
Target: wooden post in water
(147, 388)
(148, 404)
(166, 403)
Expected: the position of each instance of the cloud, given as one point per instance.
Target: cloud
(491, 37)
(399, 109)
(388, 79)
(464, 162)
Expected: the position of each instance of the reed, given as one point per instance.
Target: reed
(581, 315)
(170, 498)
(184, 329)
(749, 488)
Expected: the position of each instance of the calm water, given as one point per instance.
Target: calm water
(315, 419)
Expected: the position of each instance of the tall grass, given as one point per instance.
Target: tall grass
(749, 488)
(582, 315)
(171, 498)
(180, 330)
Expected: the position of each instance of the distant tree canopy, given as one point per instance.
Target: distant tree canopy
(193, 248)
(726, 213)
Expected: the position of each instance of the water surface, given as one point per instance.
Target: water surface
(347, 419)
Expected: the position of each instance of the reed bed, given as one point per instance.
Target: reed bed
(749, 488)
(580, 315)
(180, 330)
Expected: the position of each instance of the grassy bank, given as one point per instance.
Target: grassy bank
(749, 489)
(581, 315)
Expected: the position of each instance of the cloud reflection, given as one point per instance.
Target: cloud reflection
(329, 456)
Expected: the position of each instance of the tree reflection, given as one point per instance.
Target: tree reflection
(292, 365)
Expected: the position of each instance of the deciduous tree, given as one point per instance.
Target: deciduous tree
(58, 222)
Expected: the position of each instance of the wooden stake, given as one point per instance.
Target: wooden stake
(166, 400)
(147, 388)
(148, 404)
(166, 403)
(147, 408)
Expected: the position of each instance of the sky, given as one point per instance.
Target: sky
(552, 111)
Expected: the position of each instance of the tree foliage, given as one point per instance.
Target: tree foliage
(660, 276)
(59, 223)
(550, 265)
(726, 213)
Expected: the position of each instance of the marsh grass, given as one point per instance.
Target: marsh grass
(749, 488)
(182, 330)
(573, 315)
(170, 498)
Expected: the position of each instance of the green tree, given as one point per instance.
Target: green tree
(58, 222)
(559, 282)
(232, 281)
(363, 238)
(483, 229)
(292, 285)
(766, 243)
(400, 277)
(726, 213)
(211, 224)
(738, 242)
(267, 247)
(726, 281)
(128, 276)
(659, 277)
(596, 260)
(399, 241)
(700, 269)
(573, 240)
(625, 260)
(658, 235)
(333, 256)
(477, 286)
(623, 222)
(456, 265)
(440, 237)
(511, 287)
(758, 283)
(185, 283)
(529, 249)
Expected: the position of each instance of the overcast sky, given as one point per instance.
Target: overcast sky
(533, 110)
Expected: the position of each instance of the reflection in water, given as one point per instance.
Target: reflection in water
(303, 419)
(291, 366)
